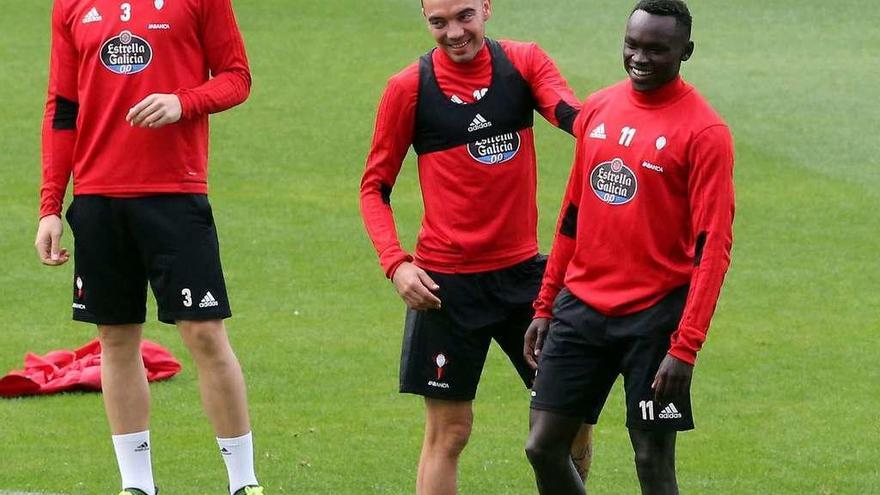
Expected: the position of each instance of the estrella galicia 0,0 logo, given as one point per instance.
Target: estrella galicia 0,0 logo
(495, 150)
(126, 54)
(614, 182)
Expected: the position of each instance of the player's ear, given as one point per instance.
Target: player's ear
(688, 51)
(487, 9)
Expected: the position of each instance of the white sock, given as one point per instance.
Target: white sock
(133, 457)
(238, 454)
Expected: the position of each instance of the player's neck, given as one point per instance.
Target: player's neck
(663, 95)
(477, 64)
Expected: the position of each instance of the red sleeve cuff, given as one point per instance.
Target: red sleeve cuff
(46, 213)
(686, 355)
(542, 313)
(50, 208)
(185, 103)
(391, 267)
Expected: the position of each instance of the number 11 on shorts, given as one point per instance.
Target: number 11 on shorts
(647, 407)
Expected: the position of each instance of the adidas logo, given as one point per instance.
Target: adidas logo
(144, 447)
(225, 451)
(208, 301)
(92, 16)
(478, 123)
(599, 132)
(670, 412)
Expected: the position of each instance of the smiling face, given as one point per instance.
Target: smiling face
(653, 49)
(458, 26)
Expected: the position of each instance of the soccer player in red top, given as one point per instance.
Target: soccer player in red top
(131, 85)
(467, 109)
(637, 264)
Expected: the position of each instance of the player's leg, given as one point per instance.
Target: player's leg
(521, 283)
(178, 240)
(652, 425)
(224, 397)
(221, 381)
(109, 290)
(655, 461)
(124, 379)
(582, 450)
(510, 336)
(442, 361)
(577, 367)
(548, 450)
(127, 402)
(447, 430)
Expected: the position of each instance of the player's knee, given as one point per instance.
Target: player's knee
(205, 339)
(645, 462)
(451, 439)
(455, 438)
(541, 453)
(652, 464)
(652, 455)
(119, 340)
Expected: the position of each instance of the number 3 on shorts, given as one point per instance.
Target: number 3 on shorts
(187, 297)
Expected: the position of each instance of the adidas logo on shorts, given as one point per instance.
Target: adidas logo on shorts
(208, 301)
(669, 412)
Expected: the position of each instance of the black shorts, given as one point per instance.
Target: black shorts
(444, 350)
(584, 352)
(122, 243)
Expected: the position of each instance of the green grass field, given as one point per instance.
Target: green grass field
(785, 392)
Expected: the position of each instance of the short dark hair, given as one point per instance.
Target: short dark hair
(672, 8)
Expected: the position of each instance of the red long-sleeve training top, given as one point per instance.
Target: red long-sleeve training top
(106, 56)
(649, 207)
(477, 217)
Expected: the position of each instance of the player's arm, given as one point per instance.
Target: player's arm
(711, 196)
(555, 99)
(564, 242)
(392, 136)
(58, 139)
(230, 80)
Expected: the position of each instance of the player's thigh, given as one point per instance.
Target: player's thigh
(449, 416)
(109, 281)
(439, 358)
(510, 336)
(179, 244)
(578, 365)
(647, 346)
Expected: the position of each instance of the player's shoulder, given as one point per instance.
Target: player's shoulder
(607, 94)
(66, 9)
(594, 102)
(407, 79)
(521, 50)
(704, 115)
(518, 46)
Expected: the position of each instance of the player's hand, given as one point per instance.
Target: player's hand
(535, 340)
(155, 111)
(673, 380)
(48, 241)
(415, 287)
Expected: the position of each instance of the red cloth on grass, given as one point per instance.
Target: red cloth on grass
(63, 370)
